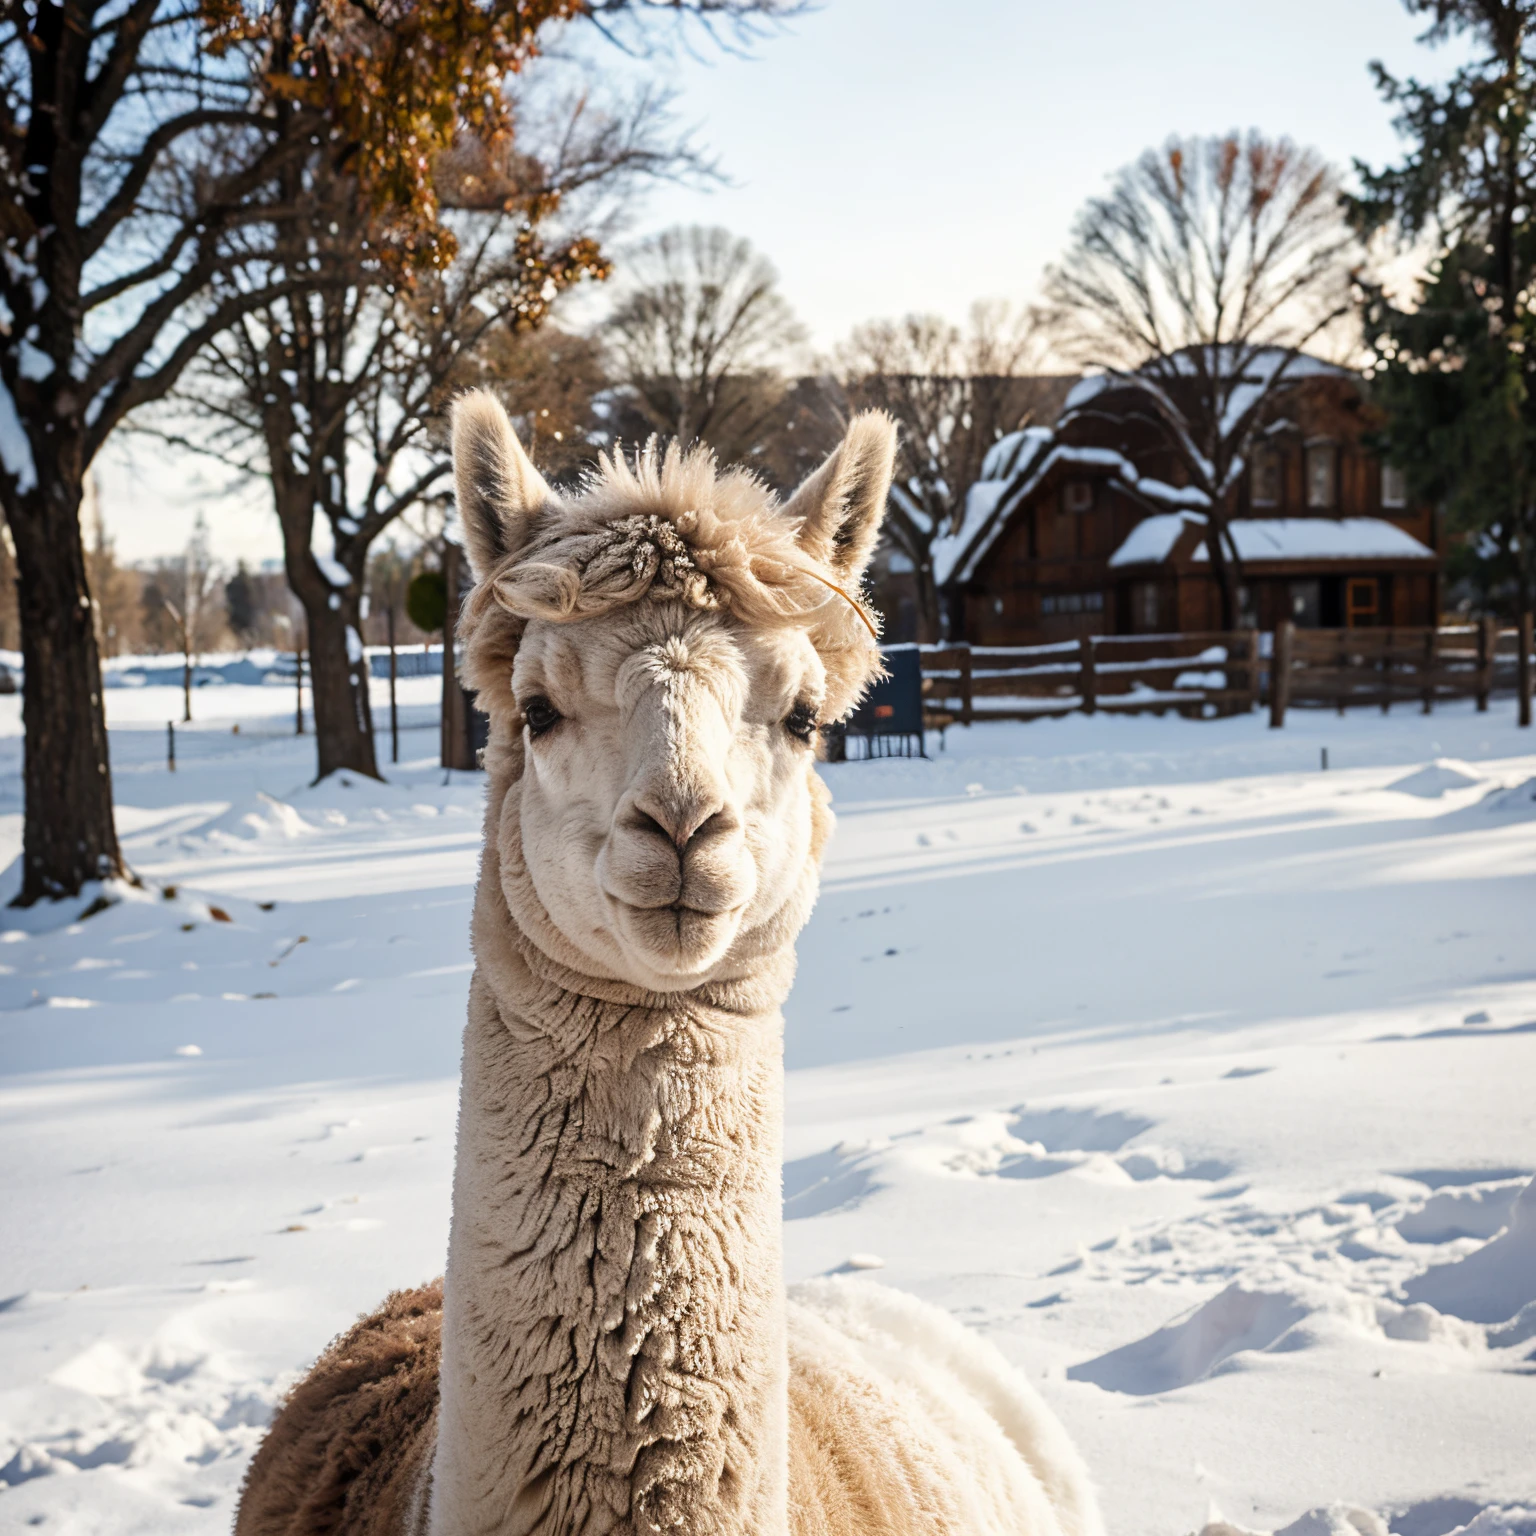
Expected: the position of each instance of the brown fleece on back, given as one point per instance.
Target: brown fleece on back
(349, 1451)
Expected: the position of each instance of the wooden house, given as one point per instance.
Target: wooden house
(1086, 528)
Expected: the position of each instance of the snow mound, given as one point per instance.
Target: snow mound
(147, 1410)
(1349, 1520)
(1518, 800)
(1276, 1315)
(1444, 775)
(262, 819)
(1184, 1351)
(1494, 1283)
(1518, 1330)
(1511, 1520)
(1329, 1520)
(1480, 1211)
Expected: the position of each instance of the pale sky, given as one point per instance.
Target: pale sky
(896, 155)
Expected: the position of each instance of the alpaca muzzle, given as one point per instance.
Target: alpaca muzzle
(679, 874)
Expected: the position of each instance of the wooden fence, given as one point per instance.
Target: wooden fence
(1383, 667)
(1124, 674)
(1222, 673)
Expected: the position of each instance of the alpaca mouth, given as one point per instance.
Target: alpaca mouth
(677, 937)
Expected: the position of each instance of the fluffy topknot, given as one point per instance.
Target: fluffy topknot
(669, 526)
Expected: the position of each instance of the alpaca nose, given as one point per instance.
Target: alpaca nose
(681, 823)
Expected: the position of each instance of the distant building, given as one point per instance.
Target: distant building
(1086, 529)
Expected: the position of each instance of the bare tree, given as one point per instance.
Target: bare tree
(114, 588)
(186, 591)
(1196, 284)
(700, 336)
(733, 25)
(108, 247)
(953, 393)
(147, 150)
(335, 392)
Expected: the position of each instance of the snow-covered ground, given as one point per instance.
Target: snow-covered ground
(1197, 1078)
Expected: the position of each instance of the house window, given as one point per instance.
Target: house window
(1322, 463)
(1266, 477)
(1362, 600)
(1071, 602)
(1077, 496)
(1394, 486)
(1145, 609)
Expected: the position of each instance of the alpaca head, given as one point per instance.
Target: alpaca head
(656, 653)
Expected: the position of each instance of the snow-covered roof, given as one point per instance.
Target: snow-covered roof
(1252, 372)
(1007, 455)
(1257, 539)
(1321, 538)
(980, 503)
(989, 503)
(1153, 538)
(1022, 460)
(1254, 361)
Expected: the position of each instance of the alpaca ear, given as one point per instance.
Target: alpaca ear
(499, 490)
(841, 504)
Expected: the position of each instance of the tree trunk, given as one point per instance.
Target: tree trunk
(338, 683)
(1227, 576)
(68, 836)
(928, 619)
(338, 669)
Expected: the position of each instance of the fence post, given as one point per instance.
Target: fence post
(1523, 665)
(1487, 642)
(1090, 683)
(1341, 668)
(1430, 662)
(170, 745)
(1251, 686)
(1280, 672)
(965, 684)
(1386, 672)
(394, 713)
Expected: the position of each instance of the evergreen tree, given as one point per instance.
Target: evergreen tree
(1454, 365)
(240, 601)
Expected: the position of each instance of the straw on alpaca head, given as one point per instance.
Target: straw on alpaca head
(669, 522)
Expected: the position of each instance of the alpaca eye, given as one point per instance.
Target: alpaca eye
(541, 715)
(801, 722)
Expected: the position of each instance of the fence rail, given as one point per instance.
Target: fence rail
(1120, 674)
(1226, 672)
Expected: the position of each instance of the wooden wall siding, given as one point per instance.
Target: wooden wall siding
(1357, 491)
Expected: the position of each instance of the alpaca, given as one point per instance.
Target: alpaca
(612, 1350)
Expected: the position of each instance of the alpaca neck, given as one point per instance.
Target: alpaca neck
(613, 1348)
